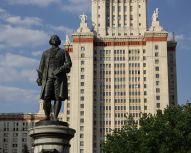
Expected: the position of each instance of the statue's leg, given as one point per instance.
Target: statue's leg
(57, 107)
(47, 108)
(48, 92)
(58, 102)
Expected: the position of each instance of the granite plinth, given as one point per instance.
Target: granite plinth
(51, 137)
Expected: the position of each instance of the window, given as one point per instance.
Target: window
(158, 105)
(156, 54)
(82, 76)
(157, 61)
(81, 135)
(125, 8)
(68, 112)
(82, 62)
(14, 145)
(157, 97)
(82, 98)
(81, 143)
(145, 100)
(81, 150)
(82, 113)
(81, 105)
(82, 48)
(131, 17)
(156, 47)
(157, 68)
(145, 79)
(157, 83)
(82, 91)
(131, 8)
(81, 120)
(82, 55)
(157, 90)
(119, 8)
(157, 75)
(81, 128)
(82, 69)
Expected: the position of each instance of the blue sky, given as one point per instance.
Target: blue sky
(25, 28)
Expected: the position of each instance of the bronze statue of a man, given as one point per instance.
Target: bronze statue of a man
(54, 65)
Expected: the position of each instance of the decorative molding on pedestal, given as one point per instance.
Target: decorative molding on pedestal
(51, 137)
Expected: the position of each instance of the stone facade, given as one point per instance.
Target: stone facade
(121, 68)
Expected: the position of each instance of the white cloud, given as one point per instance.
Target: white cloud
(13, 94)
(62, 29)
(27, 21)
(16, 61)
(180, 37)
(40, 3)
(184, 41)
(37, 53)
(77, 6)
(17, 68)
(19, 36)
(18, 20)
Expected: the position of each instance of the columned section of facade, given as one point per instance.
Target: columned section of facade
(79, 109)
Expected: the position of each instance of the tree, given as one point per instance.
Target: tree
(25, 149)
(166, 132)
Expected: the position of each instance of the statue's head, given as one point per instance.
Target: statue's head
(55, 40)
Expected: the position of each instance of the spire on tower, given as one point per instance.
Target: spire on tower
(67, 42)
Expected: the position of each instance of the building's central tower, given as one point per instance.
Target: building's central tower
(119, 17)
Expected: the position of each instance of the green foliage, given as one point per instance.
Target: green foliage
(25, 149)
(165, 132)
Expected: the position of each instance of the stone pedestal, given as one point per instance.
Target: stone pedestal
(51, 137)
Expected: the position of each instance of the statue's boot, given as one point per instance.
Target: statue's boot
(47, 109)
(57, 107)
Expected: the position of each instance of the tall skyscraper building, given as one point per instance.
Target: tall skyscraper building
(121, 67)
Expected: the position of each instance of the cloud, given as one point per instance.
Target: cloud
(19, 36)
(27, 21)
(77, 6)
(16, 61)
(37, 53)
(17, 68)
(62, 29)
(40, 3)
(18, 20)
(13, 94)
(180, 37)
(184, 41)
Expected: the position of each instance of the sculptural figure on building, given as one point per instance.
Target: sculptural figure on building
(155, 22)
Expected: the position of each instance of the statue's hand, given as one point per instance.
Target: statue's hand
(39, 82)
(57, 72)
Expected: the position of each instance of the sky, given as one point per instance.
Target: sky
(25, 29)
